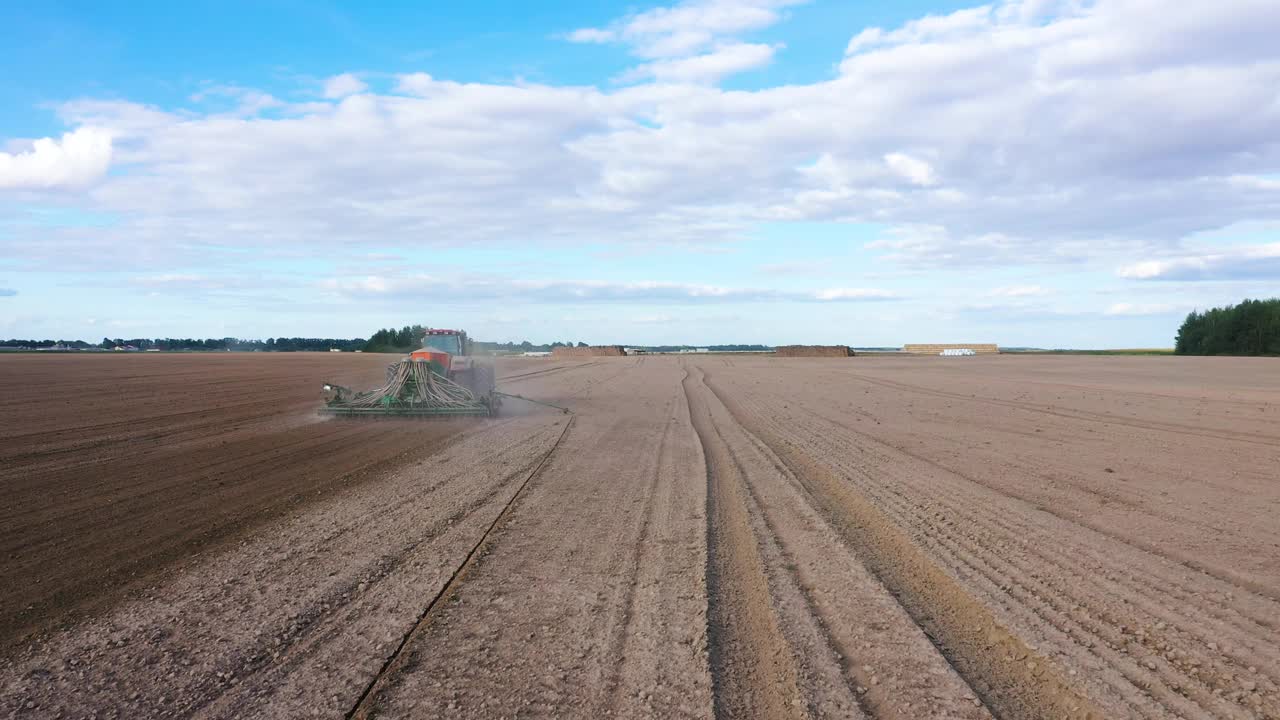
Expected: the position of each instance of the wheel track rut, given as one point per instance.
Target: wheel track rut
(854, 651)
(1127, 642)
(1138, 628)
(366, 704)
(1223, 575)
(1010, 678)
(599, 575)
(752, 671)
(1247, 617)
(1177, 428)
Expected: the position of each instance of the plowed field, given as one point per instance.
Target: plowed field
(720, 536)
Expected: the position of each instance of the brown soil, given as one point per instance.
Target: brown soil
(115, 468)
(727, 536)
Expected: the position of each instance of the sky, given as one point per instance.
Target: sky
(1049, 173)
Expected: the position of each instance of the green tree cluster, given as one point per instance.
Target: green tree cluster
(391, 340)
(1250, 328)
(28, 344)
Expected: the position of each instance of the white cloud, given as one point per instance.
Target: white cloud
(1125, 308)
(917, 171)
(709, 67)
(1236, 263)
(1254, 182)
(934, 246)
(591, 35)
(1018, 291)
(820, 266)
(1023, 132)
(696, 41)
(181, 281)
(248, 101)
(834, 294)
(688, 27)
(169, 279)
(80, 158)
(653, 319)
(486, 288)
(340, 86)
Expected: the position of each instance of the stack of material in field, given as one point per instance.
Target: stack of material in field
(592, 351)
(937, 348)
(813, 351)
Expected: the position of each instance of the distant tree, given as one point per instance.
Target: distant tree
(406, 339)
(1250, 328)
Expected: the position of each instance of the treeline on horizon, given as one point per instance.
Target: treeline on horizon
(409, 338)
(296, 344)
(1250, 328)
(388, 340)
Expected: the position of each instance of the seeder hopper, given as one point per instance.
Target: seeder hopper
(440, 380)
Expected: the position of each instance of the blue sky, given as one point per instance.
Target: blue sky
(1033, 172)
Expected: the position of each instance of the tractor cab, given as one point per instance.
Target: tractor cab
(441, 346)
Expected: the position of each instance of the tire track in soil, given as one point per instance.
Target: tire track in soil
(71, 559)
(1012, 681)
(555, 582)
(1226, 577)
(829, 683)
(1070, 414)
(1141, 640)
(857, 651)
(657, 494)
(644, 560)
(366, 705)
(521, 377)
(1259, 616)
(1221, 574)
(300, 621)
(752, 672)
(310, 634)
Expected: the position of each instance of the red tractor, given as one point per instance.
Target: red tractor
(441, 379)
(450, 353)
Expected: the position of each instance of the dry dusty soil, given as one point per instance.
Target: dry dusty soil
(711, 537)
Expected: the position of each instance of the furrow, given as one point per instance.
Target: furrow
(1144, 636)
(1243, 437)
(1012, 680)
(841, 441)
(398, 661)
(751, 668)
(1240, 629)
(643, 555)
(854, 646)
